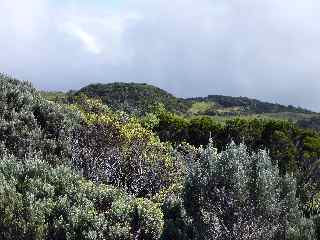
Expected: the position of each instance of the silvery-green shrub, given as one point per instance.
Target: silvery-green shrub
(238, 195)
(38, 201)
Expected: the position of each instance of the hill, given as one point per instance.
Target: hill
(141, 98)
(133, 97)
(220, 105)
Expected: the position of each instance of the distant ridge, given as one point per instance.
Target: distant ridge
(248, 105)
(141, 97)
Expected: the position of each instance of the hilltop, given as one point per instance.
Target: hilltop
(133, 97)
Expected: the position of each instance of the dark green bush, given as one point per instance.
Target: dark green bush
(177, 225)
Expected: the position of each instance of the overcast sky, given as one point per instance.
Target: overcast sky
(268, 49)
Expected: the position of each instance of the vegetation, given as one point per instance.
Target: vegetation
(114, 148)
(133, 97)
(311, 123)
(244, 105)
(30, 123)
(42, 202)
(235, 195)
(140, 99)
(72, 167)
(296, 150)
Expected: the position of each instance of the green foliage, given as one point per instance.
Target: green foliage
(235, 195)
(104, 174)
(57, 97)
(133, 97)
(244, 105)
(141, 98)
(41, 202)
(114, 148)
(202, 108)
(177, 224)
(30, 123)
(297, 150)
(312, 123)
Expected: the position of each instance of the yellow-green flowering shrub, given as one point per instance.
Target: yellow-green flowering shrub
(114, 148)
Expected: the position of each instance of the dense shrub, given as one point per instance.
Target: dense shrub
(237, 195)
(312, 123)
(313, 207)
(297, 150)
(114, 148)
(38, 201)
(177, 225)
(30, 123)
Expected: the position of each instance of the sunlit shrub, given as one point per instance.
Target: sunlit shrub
(113, 148)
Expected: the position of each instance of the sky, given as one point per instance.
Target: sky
(266, 49)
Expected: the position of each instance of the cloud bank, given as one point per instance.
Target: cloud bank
(267, 49)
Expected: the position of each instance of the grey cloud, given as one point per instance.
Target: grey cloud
(264, 49)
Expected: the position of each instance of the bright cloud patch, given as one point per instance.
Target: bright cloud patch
(88, 41)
